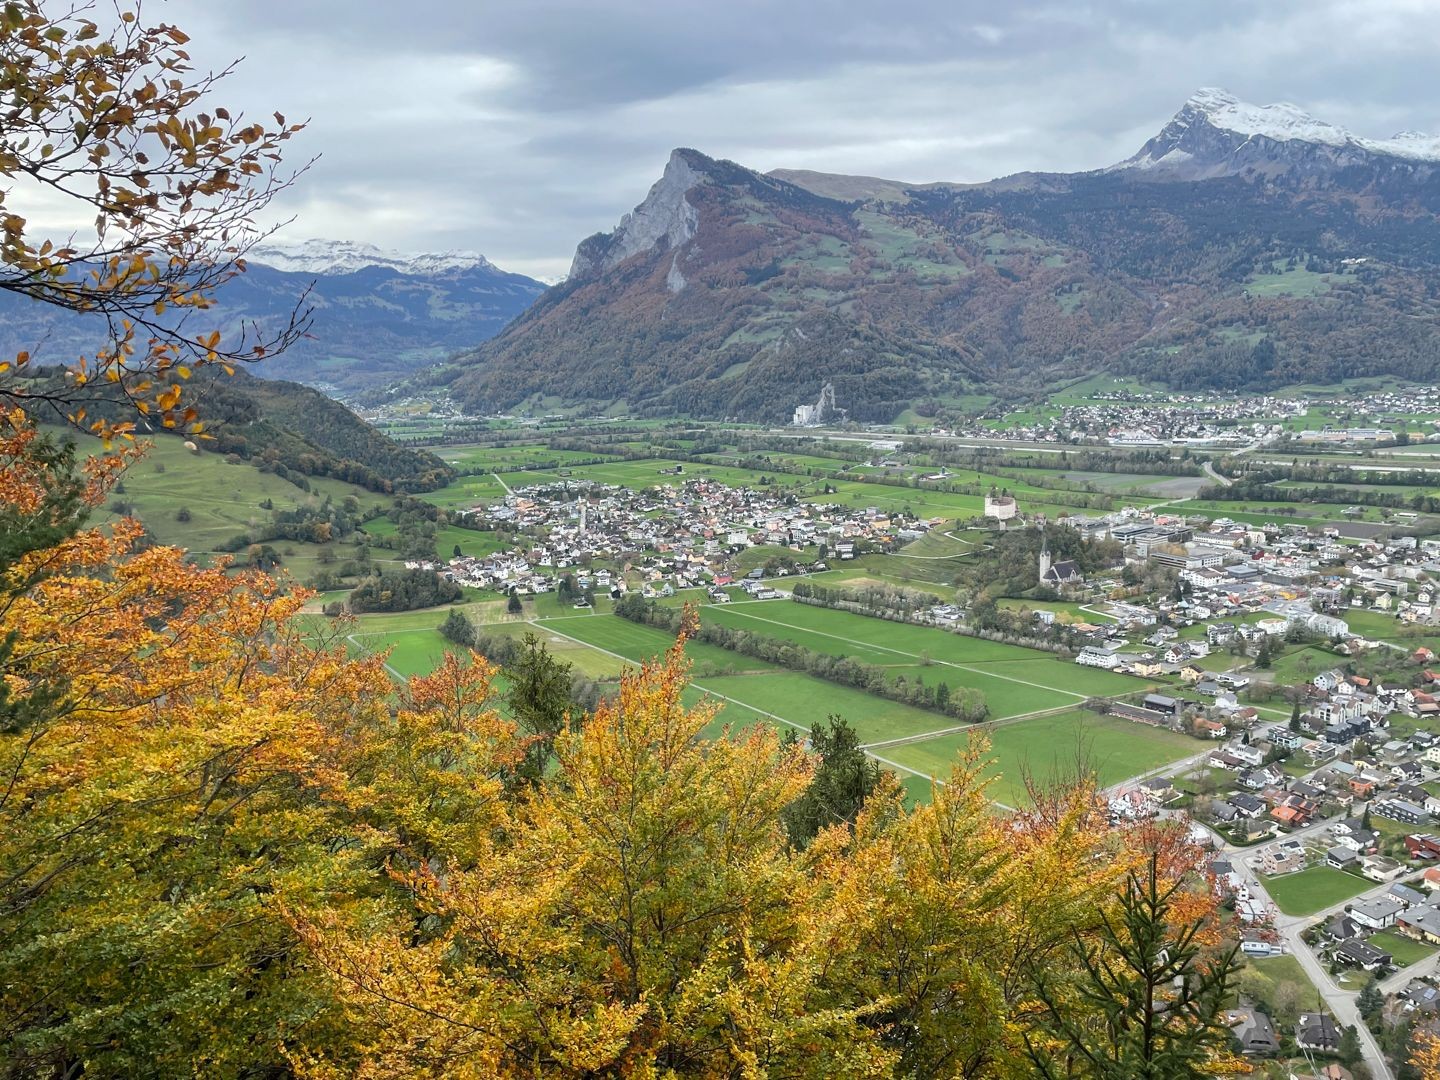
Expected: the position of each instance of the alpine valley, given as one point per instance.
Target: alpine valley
(1242, 247)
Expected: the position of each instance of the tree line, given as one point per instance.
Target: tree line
(963, 703)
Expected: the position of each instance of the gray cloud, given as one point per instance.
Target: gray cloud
(518, 129)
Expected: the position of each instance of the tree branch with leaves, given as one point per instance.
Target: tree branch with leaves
(110, 118)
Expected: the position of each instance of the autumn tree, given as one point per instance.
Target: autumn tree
(641, 918)
(178, 773)
(106, 115)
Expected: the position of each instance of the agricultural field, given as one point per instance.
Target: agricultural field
(504, 458)
(1050, 748)
(843, 633)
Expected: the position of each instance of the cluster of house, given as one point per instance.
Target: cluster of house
(1125, 418)
(1389, 777)
(1408, 910)
(682, 535)
(1303, 573)
(1147, 420)
(1244, 584)
(1256, 1036)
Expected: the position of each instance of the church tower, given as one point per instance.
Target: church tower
(1044, 555)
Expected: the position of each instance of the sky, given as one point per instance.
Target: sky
(519, 128)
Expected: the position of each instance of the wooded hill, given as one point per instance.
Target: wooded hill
(284, 425)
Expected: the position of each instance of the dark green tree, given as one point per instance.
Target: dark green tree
(58, 516)
(458, 628)
(844, 779)
(1349, 1049)
(539, 700)
(1370, 1000)
(1295, 717)
(513, 606)
(1146, 1006)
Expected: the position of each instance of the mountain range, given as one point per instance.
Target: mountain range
(1242, 247)
(378, 315)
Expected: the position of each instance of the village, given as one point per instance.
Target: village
(1145, 419)
(680, 534)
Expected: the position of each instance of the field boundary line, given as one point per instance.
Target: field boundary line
(746, 705)
(979, 725)
(371, 652)
(912, 656)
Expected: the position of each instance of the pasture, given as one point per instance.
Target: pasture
(1051, 748)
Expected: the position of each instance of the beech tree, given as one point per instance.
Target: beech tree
(107, 116)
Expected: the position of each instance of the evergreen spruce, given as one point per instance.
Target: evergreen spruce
(1149, 1007)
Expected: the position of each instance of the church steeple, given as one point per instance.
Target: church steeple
(1044, 555)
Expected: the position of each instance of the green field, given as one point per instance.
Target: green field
(1050, 681)
(638, 643)
(413, 652)
(223, 498)
(1051, 747)
(510, 457)
(1405, 950)
(1309, 891)
(803, 702)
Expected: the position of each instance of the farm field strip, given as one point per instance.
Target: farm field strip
(915, 657)
(1051, 747)
(766, 691)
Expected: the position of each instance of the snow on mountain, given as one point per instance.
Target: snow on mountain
(1215, 132)
(317, 256)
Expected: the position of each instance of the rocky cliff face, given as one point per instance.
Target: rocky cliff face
(666, 216)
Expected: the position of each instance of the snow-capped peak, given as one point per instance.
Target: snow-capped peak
(315, 256)
(1281, 121)
(1284, 122)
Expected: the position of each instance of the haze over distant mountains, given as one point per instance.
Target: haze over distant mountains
(1243, 246)
(378, 315)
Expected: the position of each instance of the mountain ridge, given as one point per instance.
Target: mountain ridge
(378, 316)
(316, 255)
(1212, 257)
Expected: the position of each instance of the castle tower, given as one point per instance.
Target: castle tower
(1044, 555)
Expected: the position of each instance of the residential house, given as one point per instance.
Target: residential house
(1406, 894)
(1378, 914)
(1423, 846)
(1400, 810)
(1361, 954)
(1281, 860)
(1316, 1031)
(1380, 868)
(1342, 858)
(1253, 1031)
(1422, 923)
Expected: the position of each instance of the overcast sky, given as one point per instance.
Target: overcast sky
(518, 128)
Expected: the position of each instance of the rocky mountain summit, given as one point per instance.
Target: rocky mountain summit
(1217, 134)
(1243, 247)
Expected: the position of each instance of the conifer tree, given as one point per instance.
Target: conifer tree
(539, 703)
(1146, 1005)
(844, 779)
